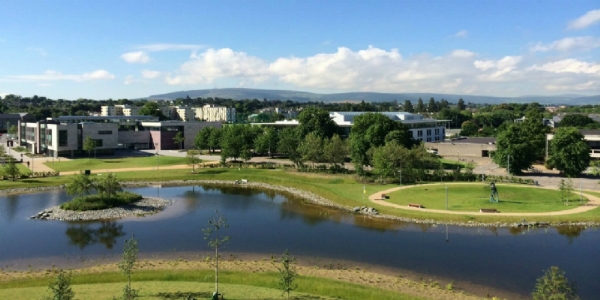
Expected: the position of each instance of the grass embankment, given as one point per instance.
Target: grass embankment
(341, 189)
(237, 280)
(115, 163)
(472, 197)
(22, 169)
(96, 202)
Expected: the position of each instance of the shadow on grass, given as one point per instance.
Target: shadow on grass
(111, 161)
(212, 172)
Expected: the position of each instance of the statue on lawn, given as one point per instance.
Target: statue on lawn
(494, 193)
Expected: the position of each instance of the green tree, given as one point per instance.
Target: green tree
(178, 139)
(192, 159)
(566, 189)
(127, 264)
(387, 159)
(289, 143)
(2, 151)
(13, 129)
(408, 107)
(317, 120)
(89, 145)
(287, 274)
(554, 285)
(211, 233)
(201, 141)
(420, 106)
(513, 144)
(152, 109)
(335, 150)
(311, 148)
(267, 141)
(569, 153)
(80, 185)
(469, 128)
(216, 136)
(536, 131)
(432, 106)
(11, 169)
(60, 287)
(108, 186)
(461, 104)
(575, 120)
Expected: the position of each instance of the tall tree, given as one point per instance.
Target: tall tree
(317, 120)
(569, 153)
(11, 169)
(335, 150)
(461, 104)
(178, 139)
(311, 148)
(202, 139)
(212, 233)
(192, 159)
(152, 109)
(267, 141)
(420, 106)
(108, 186)
(89, 145)
(287, 274)
(408, 107)
(536, 131)
(514, 148)
(60, 288)
(575, 120)
(127, 264)
(432, 106)
(81, 185)
(289, 143)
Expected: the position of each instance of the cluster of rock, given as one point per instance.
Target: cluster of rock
(365, 210)
(146, 206)
(524, 223)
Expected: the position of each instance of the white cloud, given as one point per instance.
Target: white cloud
(39, 51)
(221, 63)
(149, 74)
(137, 57)
(461, 34)
(51, 75)
(2, 95)
(460, 53)
(381, 70)
(169, 47)
(129, 80)
(568, 66)
(568, 44)
(590, 18)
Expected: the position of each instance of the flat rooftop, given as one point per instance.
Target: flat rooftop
(474, 140)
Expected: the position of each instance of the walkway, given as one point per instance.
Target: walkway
(593, 203)
(172, 167)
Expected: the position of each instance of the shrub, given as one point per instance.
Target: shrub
(96, 202)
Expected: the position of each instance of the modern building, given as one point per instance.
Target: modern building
(464, 147)
(64, 136)
(184, 113)
(422, 129)
(547, 122)
(212, 113)
(8, 120)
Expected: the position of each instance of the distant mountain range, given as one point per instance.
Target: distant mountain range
(241, 93)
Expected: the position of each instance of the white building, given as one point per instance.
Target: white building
(426, 130)
(212, 113)
(183, 113)
(119, 110)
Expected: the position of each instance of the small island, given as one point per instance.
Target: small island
(109, 202)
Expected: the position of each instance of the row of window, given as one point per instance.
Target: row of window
(420, 132)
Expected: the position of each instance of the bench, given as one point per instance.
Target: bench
(488, 210)
(415, 205)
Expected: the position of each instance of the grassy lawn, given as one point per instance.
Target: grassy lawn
(451, 164)
(341, 189)
(22, 169)
(473, 197)
(233, 284)
(114, 163)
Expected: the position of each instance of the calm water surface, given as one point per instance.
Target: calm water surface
(269, 223)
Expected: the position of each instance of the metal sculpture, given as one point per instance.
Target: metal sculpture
(494, 193)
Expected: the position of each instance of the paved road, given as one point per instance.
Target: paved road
(593, 203)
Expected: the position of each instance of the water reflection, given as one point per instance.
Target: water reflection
(570, 232)
(84, 234)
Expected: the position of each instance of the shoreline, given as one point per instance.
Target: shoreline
(318, 200)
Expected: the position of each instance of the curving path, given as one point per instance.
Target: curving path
(593, 203)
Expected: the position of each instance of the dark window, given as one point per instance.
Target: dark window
(62, 138)
(98, 143)
(105, 132)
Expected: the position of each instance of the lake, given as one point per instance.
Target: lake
(266, 223)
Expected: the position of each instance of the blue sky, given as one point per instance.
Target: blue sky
(131, 49)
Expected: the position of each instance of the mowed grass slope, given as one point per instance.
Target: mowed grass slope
(114, 163)
(233, 284)
(472, 197)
